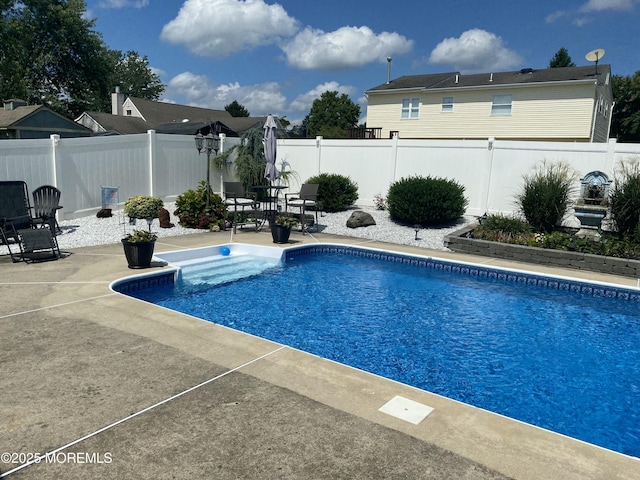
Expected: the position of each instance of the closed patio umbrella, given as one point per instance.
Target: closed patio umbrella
(270, 143)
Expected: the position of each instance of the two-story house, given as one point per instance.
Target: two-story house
(552, 104)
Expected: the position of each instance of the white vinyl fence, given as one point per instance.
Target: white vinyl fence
(167, 165)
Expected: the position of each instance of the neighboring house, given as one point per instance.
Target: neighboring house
(137, 115)
(21, 121)
(553, 104)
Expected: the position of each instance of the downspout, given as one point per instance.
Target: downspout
(610, 119)
(595, 113)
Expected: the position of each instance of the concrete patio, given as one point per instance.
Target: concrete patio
(117, 388)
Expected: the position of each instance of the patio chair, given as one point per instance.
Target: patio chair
(14, 207)
(306, 198)
(46, 202)
(35, 244)
(16, 225)
(242, 202)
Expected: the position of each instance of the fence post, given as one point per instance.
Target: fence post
(611, 155)
(394, 157)
(55, 144)
(152, 155)
(487, 185)
(319, 149)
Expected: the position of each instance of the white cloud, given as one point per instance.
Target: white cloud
(123, 3)
(475, 51)
(157, 71)
(581, 21)
(198, 90)
(599, 5)
(552, 17)
(346, 47)
(218, 28)
(303, 102)
(578, 17)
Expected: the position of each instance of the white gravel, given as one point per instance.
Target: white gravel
(90, 230)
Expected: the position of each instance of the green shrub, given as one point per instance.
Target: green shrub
(192, 212)
(335, 192)
(426, 201)
(546, 196)
(500, 228)
(624, 199)
(143, 206)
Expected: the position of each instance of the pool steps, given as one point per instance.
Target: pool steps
(219, 269)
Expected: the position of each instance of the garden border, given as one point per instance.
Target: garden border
(456, 242)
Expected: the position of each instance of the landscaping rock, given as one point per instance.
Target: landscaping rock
(360, 219)
(164, 218)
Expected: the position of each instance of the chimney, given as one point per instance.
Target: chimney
(457, 78)
(117, 99)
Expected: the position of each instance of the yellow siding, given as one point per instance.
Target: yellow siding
(561, 112)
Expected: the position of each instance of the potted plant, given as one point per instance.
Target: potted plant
(281, 228)
(139, 245)
(138, 248)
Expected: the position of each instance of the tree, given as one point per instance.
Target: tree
(135, 77)
(236, 110)
(50, 54)
(331, 115)
(625, 125)
(561, 59)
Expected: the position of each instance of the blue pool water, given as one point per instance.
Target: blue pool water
(551, 356)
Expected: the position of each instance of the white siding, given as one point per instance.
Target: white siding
(560, 112)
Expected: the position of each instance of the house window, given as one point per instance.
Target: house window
(129, 113)
(410, 107)
(447, 104)
(501, 105)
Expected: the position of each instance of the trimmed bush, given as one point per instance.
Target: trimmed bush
(546, 196)
(426, 201)
(625, 200)
(191, 209)
(335, 192)
(143, 206)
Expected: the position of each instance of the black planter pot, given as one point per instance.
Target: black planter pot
(138, 253)
(280, 234)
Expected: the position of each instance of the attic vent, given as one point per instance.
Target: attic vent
(526, 70)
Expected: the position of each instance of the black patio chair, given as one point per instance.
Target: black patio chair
(242, 202)
(14, 208)
(306, 198)
(17, 226)
(46, 202)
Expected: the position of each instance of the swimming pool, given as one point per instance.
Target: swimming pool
(553, 352)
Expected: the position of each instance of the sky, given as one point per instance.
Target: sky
(277, 58)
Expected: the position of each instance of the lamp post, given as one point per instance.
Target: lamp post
(209, 144)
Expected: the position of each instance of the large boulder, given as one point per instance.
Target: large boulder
(360, 219)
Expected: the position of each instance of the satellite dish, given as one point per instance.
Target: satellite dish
(595, 55)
